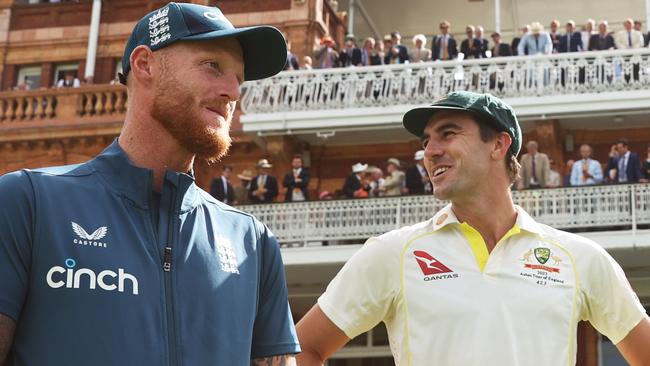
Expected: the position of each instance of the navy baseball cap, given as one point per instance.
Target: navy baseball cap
(491, 108)
(264, 47)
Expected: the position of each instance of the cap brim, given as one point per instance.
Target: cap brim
(264, 49)
(415, 120)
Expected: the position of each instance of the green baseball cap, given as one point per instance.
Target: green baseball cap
(484, 105)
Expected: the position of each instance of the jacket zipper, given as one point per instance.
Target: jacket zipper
(167, 273)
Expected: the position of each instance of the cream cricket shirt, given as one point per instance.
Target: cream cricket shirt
(446, 302)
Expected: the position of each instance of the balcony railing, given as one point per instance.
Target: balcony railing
(420, 83)
(593, 207)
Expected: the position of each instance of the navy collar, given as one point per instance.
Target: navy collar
(135, 183)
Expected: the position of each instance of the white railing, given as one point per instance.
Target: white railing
(564, 208)
(420, 83)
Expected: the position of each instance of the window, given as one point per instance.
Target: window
(29, 77)
(62, 69)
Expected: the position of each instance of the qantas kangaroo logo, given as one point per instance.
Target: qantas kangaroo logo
(429, 264)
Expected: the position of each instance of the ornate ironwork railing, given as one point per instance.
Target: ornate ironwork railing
(420, 83)
(566, 208)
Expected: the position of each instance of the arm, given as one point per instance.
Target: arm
(283, 360)
(575, 174)
(319, 338)
(7, 328)
(520, 46)
(597, 173)
(634, 347)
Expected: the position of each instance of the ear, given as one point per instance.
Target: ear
(501, 145)
(142, 61)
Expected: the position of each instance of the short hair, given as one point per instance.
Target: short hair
(488, 132)
(444, 24)
(228, 167)
(420, 37)
(571, 23)
(469, 26)
(532, 142)
(297, 156)
(604, 22)
(369, 39)
(628, 20)
(625, 142)
(495, 34)
(638, 22)
(395, 35)
(556, 22)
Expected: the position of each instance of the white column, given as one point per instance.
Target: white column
(497, 16)
(91, 56)
(351, 17)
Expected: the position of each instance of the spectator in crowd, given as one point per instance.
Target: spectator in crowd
(554, 178)
(296, 182)
(535, 168)
(292, 61)
(586, 33)
(638, 26)
(555, 35)
(350, 55)
(645, 169)
(500, 49)
(603, 40)
(377, 57)
(536, 42)
(220, 187)
(419, 53)
(586, 171)
(394, 182)
(306, 63)
(628, 37)
(367, 51)
(397, 53)
(417, 179)
(515, 42)
(375, 180)
(571, 41)
(241, 191)
(610, 169)
(355, 184)
(327, 56)
(24, 85)
(470, 46)
(444, 45)
(69, 80)
(483, 44)
(568, 169)
(626, 165)
(264, 187)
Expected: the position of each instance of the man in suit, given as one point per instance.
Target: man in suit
(571, 41)
(515, 41)
(638, 25)
(483, 44)
(626, 167)
(264, 187)
(555, 35)
(628, 38)
(470, 46)
(444, 45)
(350, 55)
(396, 53)
(417, 179)
(354, 186)
(535, 168)
(536, 42)
(221, 189)
(602, 40)
(296, 182)
(367, 51)
(292, 60)
(500, 49)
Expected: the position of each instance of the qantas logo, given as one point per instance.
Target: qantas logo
(432, 268)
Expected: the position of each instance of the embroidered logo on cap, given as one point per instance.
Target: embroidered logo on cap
(159, 30)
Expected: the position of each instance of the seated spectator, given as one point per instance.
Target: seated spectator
(628, 37)
(586, 33)
(470, 46)
(327, 56)
(355, 185)
(602, 40)
(555, 35)
(394, 182)
(417, 179)
(443, 46)
(638, 25)
(645, 169)
(375, 178)
(368, 51)
(241, 191)
(292, 61)
(419, 53)
(69, 80)
(350, 55)
(306, 63)
(296, 181)
(515, 42)
(500, 49)
(571, 41)
(536, 42)
(586, 171)
(483, 44)
(220, 187)
(626, 165)
(264, 187)
(397, 52)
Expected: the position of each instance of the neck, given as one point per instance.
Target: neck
(142, 135)
(492, 215)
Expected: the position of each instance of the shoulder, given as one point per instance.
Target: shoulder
(581, 249)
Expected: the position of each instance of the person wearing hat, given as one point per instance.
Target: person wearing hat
(241, 191)
(394, 182)
(536, 41)
(264, 186)
(481, 282)
(355, 185)
(416, 177)
(124, 260)
(327, 56)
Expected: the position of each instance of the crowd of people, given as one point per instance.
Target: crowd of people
(538, 170)
(533, 40)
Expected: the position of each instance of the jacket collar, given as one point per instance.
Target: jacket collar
(135, 183)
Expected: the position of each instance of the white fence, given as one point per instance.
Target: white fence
(420, 83)
(566, 208)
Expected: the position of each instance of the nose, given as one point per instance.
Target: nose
(432, 149)
(230, 87)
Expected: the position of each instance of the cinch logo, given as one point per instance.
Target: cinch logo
(58, 277)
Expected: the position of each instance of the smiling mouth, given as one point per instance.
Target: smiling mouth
(440, 171)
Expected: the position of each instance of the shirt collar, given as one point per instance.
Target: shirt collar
(446, 217)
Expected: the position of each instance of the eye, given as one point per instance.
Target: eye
(448, 133)
(214, 66)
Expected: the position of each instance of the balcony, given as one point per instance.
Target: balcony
(584, 84)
